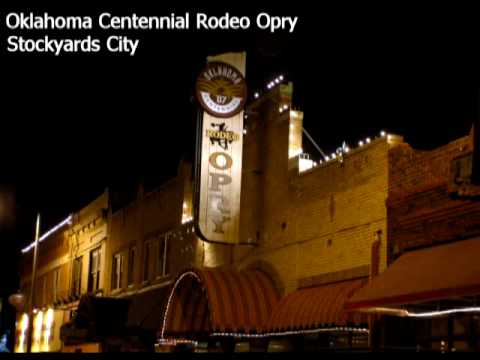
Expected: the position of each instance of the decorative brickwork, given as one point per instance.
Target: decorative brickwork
(422, 210)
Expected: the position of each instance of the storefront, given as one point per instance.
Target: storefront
(46, 330)
(227, 310)
(313, 319)
(216, 308)
(98, 325)
(434, 292)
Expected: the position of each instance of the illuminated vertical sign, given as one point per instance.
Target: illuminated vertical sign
(221, 91)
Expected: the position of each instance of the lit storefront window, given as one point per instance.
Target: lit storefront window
(22, 337)
(187, 214)
(37, 331)
(48, 330)
(43, 324)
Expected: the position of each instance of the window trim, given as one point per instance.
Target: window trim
(77, 269)
(119, 266)
(132, 251)
(163, 239)
(56, 284)
(95, 286)
(146, 261)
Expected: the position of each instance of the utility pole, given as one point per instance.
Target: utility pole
(32, 287)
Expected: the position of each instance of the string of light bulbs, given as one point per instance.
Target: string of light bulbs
(277, 81)
(345, 149)
(293, 332)
(67, 221)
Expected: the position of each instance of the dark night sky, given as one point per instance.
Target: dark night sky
(75, 124)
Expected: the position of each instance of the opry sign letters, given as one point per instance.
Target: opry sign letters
(221, 91)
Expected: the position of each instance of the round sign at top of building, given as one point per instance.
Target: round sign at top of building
(221, 89)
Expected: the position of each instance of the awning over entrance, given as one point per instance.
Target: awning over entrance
(437, 273)
(214, 301)
(316, 308)
(96, 318)
(146, 309)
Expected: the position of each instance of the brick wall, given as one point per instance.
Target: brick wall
(53, 255)
(421, 211)
(89, 231)
(319, 222)
(331, 216)
(417, 170)
(56, 247)
(148, 219)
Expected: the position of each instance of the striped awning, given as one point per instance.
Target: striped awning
(319, 307)
(432, 274)
(212, 301)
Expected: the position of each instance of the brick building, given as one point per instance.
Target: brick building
(312, 236)
(433, 229)
(313, 230)
(70, 263)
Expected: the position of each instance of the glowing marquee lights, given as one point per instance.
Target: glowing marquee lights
(170, 297)
(341, 151)
(295, 332)
(440, 313)
(427, 314)
(173, 341)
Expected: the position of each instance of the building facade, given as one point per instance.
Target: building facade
(70, 263)
(433, 229)
(316, 230)
(313, 235)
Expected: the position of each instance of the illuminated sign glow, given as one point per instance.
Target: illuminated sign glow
(221, 91)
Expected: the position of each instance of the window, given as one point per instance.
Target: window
(131, 264)
(117, 271)
(146, 257)
(94, 271)
(44, 290)
(166, 265)
(77, 276)
(56, 284)
(162, 259)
